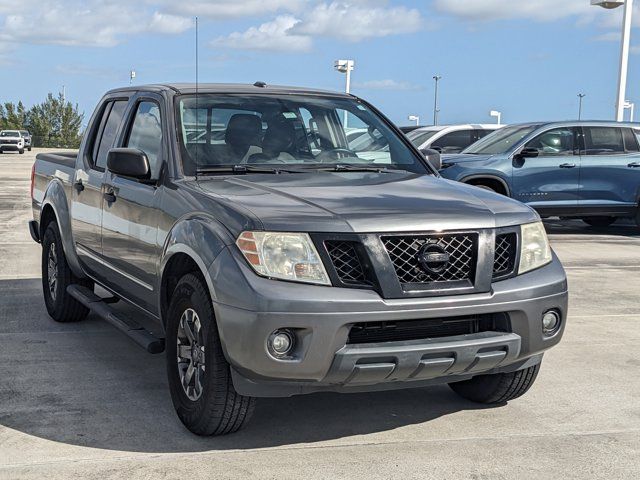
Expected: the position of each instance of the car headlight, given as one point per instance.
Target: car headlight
(534, 247)
(282, 255)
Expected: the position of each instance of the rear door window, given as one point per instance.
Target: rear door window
(111, 120)
(603, 140)
(454, 141)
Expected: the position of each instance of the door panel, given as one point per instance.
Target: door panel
(131, 214)
(86, 208)
(551, 179)
(610, 174)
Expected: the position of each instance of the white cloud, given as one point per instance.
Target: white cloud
(386, 84)
(167, 23)
(355, 21)
(222, 9)
(541, 10)
(275, 36)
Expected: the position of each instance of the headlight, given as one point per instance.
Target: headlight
(534, 247)
(286, 256)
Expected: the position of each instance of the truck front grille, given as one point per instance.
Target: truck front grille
(404, 330)
(404, 252)
(505, 257)
(346, 262)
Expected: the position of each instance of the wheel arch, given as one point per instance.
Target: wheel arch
(479, 179)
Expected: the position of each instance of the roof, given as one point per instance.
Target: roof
(257, 88)
(574, 123)
(437, 128)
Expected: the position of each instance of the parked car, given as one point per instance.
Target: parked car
(449, 138)
(11, 140)
(27, 139)
(408, 128)
(588, 170)
(276, 261)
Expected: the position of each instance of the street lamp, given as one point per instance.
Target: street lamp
(580, 96)
(132, 75)
(345, 66)
(497, 114)
(624, 50)
(631, 106)
(414, 118)
(436, 110)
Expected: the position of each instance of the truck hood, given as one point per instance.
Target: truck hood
(362, 202)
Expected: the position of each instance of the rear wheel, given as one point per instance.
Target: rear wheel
(599, 221)
(56, 277)
(199, 375)
(498, 387)
(485, 187)
(29, 148)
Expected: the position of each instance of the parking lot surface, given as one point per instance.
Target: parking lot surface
(83, 401)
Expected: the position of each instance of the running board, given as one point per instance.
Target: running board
(121, 321)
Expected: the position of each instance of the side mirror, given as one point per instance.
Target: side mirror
(433, 157)
(129, 162)
(528, 152)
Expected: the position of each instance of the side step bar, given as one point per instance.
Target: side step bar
(126, 325)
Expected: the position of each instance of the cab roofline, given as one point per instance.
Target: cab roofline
(208, 88)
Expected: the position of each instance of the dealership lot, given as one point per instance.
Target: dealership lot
(82, 400)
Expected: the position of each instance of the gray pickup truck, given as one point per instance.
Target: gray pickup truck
(277, 259)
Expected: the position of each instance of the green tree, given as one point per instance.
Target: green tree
(55, 123)
(12, 116)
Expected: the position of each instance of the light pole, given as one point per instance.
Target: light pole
(631, 106)
(345, 66)
(435, 100)
(497, 114)
(414, 118)
(624, 50)
(132, 75)
(580, 96)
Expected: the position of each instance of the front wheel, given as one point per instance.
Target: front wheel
(199, 375)
(21, 151)
(600, 222)
(56, 277)
(498, 387)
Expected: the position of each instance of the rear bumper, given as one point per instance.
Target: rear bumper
(249, 308)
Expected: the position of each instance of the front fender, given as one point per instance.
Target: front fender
(55, 198)
(202, 238)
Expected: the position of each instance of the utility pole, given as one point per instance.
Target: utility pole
(436, 110)
(580, 96)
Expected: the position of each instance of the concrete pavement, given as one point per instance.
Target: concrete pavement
(82, 401)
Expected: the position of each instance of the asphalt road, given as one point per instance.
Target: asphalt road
(82, 401)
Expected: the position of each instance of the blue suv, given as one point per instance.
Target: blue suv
(588, 170)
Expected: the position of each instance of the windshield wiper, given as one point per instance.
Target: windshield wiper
(243, 169)
(349, 167)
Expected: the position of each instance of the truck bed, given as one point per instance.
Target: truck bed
(66, 159)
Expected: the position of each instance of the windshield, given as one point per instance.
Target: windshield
(288, 131)
(9, 133)
(500, 141)
(418, 137)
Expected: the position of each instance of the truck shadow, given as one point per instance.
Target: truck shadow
(86, 384)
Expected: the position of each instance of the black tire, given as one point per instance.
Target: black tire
(61, 306)
(498, 387)
(218, 409)
(29, 148)
(485, 187)
(599, 222)
(21, 151)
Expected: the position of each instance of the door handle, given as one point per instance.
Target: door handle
(78, 186)
(567, 165)
(634, 165)
(110, 197)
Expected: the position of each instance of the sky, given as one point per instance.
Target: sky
(528, 59)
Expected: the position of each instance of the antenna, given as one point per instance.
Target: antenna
(197, 124)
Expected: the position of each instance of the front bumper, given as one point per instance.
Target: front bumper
(11, 146)
(249, 308)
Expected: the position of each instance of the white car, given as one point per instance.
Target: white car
(11, 140)
(449, 138)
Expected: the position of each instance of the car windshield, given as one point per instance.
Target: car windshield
(9, 133)
(418, 137)
(289, 132)
(500, 141)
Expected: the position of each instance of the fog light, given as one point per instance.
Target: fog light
(550, 322)
(281, 342)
